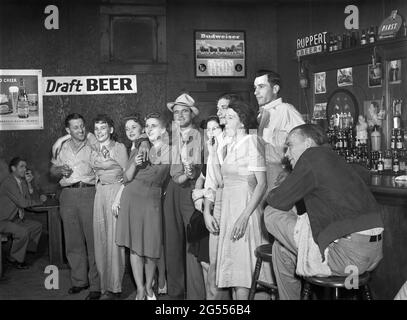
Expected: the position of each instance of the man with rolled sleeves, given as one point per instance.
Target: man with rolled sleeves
(72, 165)
(186, 167)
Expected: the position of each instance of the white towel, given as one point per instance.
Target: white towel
(309, 259)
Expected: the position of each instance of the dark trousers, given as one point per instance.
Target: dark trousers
(26, 235)
(76, 207)
(181, 265)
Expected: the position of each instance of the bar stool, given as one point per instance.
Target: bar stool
(4, 237)
(336, 283)
(263, 253)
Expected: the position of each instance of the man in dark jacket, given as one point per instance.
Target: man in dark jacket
(16, 194)
(343, 214)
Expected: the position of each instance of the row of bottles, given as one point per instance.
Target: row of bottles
(392, 162)
(341, 120)
(354, 38)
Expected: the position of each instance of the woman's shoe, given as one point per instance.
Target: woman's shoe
(144, 298)
(162, 291)
(153, 297)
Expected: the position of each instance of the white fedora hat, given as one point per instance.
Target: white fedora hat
(184, 100)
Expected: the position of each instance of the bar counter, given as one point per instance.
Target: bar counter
(391, 272)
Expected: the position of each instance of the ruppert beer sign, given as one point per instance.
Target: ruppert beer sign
(311, 44)
(84, 85)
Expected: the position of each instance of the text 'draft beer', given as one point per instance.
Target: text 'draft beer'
(89, 85)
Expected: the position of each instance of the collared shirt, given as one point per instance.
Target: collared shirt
(186, 147)
(79, 161)
(282, 118)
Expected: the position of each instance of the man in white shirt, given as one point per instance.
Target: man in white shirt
(276, 119)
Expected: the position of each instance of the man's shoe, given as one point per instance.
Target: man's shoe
(110, 296)
(93, 295)
(21, 265)
(18, 265)
(75, 290)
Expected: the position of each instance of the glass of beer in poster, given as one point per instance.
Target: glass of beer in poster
(13, 91)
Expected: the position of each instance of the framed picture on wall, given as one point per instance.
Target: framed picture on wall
(394, 71)
(320, 82)
(374, 75)
(344, 77)
(26, 114)
(220, 54)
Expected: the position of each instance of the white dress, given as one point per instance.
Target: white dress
(236, 260)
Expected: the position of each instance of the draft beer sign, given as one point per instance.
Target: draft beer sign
(220, 54)
(84, 85)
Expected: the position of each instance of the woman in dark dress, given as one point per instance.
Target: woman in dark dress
(140, 216)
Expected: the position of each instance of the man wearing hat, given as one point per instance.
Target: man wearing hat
(178, 205)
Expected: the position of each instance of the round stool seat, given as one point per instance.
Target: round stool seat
(264, 252)
(335, 281)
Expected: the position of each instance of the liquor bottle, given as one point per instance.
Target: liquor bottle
(380, 163)
(375, 139)
(393, 139)
(387, 161)
(372, 36)
(22, 102)
(331, 43)
(396, 164)
(399, 140)
(402, 161)
(340, 42)
(335, 44)
(363, 38)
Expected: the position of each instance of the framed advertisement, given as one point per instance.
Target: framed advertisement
(220, 54)
(27, 115)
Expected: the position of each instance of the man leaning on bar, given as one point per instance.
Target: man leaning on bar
(342, 227)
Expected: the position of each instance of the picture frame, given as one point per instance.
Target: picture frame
(344, 77)
(31, 118)
(220, 54)
(320, 82)
(374, 76)
(394, 74)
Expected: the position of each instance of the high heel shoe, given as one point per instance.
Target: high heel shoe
(153, 297)
(144, 298)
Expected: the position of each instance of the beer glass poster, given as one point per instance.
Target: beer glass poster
(21, 100)
(220, 54)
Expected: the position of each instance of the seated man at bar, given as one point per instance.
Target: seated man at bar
(345, 227)
(16, 194)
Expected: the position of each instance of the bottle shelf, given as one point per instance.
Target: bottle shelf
(388, 49)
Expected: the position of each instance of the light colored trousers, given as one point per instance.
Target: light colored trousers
(76, 207)
(364, 255)
(110, 259)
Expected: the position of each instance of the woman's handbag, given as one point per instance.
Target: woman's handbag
(196, 229)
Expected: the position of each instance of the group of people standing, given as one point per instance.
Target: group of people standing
(195, 207)
(145, 201)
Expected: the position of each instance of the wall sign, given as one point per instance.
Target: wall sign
(311, 44)
(390, 26)
(57, 86)
(21, 100)
(220, 54)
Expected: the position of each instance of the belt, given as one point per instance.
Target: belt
(79, 184)
(364, 238)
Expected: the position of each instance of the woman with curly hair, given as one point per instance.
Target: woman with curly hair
(139, 225)
(241, 228)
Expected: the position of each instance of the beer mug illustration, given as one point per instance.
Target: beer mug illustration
(13, 91)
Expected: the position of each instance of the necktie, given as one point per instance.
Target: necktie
(20, 210)
(224, 151)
